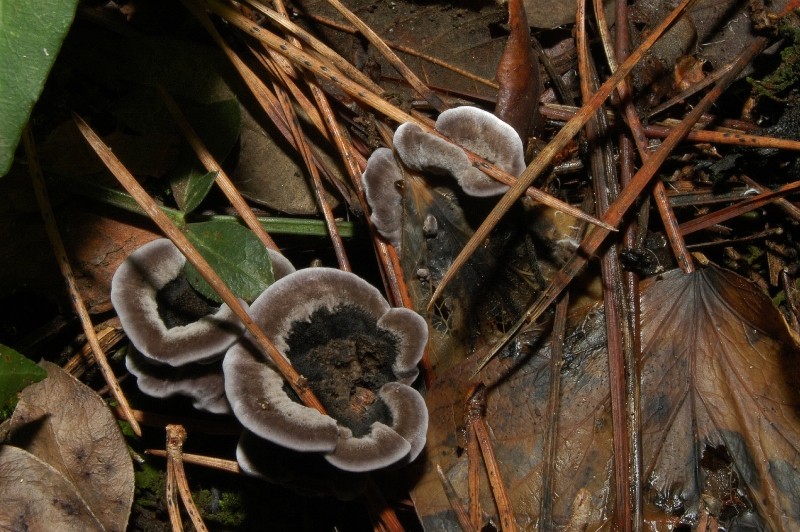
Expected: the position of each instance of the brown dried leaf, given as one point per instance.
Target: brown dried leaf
(67, 425)
(268, 171)
(485, 297)
(719, 414)
(36, 497)
(96, 245)
(458, 34)
(516, 413)
(720, 363)
(518, 76)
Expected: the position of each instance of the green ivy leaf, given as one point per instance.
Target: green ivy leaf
(236, 255)
(31, 33)
(16, 372)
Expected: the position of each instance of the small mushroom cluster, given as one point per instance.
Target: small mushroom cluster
(358, 354)
(177, 338)
(474, 129)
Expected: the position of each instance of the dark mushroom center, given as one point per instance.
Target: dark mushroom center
(179, 304)
(346, 358)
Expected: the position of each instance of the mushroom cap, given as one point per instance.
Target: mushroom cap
(257, 393)
(134, 288)
(203, 383)
(397, 444)
(380, 448)
(425, 152)
(380, 180)
(258, 400)
(281, 266)
(483, 133)
(474, 129)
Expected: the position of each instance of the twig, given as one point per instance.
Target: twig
(461, 514)
(379, 507)
(298, 384)
(290, 116)
(553, 409)
(473, 477)
(604, 183)
(549, 152)
(786, 206)
(476, 423)
(694, 89)
(661, 131)
(176, 478)
(406, 50)
(69, 277)
(222, 427)
(682, 255)
(633, 346)
(108, 337)
(318, 46)
(264, 96)
(376, 41)
(738, 209)
(327, 71)
(220, 464)
(597, 235)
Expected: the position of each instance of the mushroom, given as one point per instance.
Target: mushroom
(177, 338)
(357, 355)
(474, 129)
(162, 316)
(380, 179)
(202, 382)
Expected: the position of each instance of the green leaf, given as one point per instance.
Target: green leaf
(31, 33)
(16, 372)
(218, 125)
(197, 186)
(235, 254)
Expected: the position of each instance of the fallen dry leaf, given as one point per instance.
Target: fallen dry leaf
(67, 425)
(270, 173)
(96, 245)
(459, 35)
(36, 497)
(437, 222)
(718, 395)
(518, 76)
(719, 364)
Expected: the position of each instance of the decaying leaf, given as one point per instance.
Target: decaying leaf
(68, 426)
(719, 414)
(34, 496)
(435, 227)
(96, 244)
(459, 34)
(270, 173)
(720, 363)
(518, 76)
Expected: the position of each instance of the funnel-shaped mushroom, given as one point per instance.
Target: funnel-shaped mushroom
(474, 129)
(357, 354)
(165, 321)
(203, 383)
(380, 179)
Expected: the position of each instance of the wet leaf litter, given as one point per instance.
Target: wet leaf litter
(714, 412)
